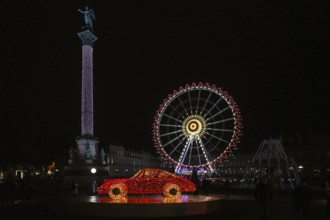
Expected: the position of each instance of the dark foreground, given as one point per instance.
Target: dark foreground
(236, 204)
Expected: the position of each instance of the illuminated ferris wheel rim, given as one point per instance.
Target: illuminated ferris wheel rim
(194, 125)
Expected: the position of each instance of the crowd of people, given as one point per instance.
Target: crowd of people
(301, 197)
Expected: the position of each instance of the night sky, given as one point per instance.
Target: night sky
(270, 56)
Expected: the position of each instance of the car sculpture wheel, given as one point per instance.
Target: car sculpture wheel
(117, 191)
(172, 190)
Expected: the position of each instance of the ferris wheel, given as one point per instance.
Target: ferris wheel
(196, 126)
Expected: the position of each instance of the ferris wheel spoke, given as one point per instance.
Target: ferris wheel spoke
(174, 109)
(191, 150)
(205, 154)
(177, 146)
(198, 154)
(207, 101)
(184, 108)
(169, 125)
(173, 118)
(219, 129)
(218, 113)
(221, 121)
(214, 147)
(198, 97)
(169, 133)
(215, 104)
(171, 141)
(185, 150)
(217, 137)
(189, 97)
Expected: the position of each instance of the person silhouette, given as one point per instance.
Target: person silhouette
(194, 178)
(263, 194)
(89, 16)
(10, 188)
(301, 197)
(327, 194)
(75, 188)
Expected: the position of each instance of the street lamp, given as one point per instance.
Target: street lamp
(93, 171)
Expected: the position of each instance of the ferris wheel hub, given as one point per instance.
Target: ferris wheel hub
(194, 125)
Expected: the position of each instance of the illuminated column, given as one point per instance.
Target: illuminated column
(87, 143)
(87, 111)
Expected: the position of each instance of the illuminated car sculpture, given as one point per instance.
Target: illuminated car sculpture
(147, 181)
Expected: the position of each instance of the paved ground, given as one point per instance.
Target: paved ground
(236, 204)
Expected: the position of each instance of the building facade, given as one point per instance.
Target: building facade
(125, 162)
(312, 154)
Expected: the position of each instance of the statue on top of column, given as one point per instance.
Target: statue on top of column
(89, 16)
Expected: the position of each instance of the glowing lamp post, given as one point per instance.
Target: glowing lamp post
(93, 171)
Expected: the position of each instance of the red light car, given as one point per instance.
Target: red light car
(147, 181)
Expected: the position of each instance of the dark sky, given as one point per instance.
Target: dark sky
(270, 56)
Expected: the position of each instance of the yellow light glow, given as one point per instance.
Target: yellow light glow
(117, 191)
(172, 191)
(194, 125)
